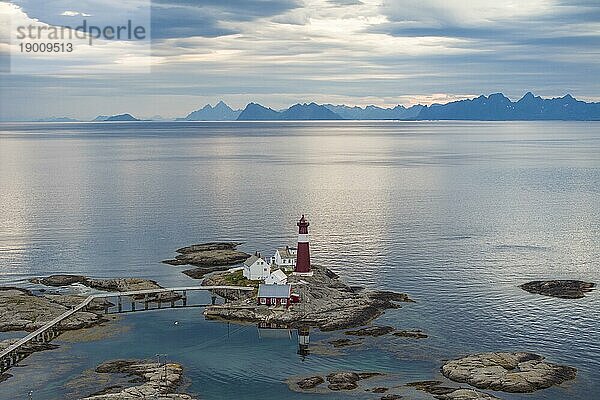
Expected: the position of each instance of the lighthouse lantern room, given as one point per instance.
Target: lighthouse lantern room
(303, 251)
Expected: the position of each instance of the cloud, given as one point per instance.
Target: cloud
(346, 2)
(169, 18)
(182, 22)
(209, 18)
(358, 52)
(70, 13)
(104, 56)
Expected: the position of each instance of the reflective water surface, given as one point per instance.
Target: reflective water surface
(457, 214)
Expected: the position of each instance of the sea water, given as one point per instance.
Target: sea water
(456, 214)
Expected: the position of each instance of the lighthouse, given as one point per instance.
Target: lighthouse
(303, 252)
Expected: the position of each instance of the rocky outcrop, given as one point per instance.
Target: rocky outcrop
(208, 257)
(371, 331)
(20, 310)
(158, 381)
(222, 279)
(59, 280)
(564, 289)
(109, 285)
(378, 389)
(507, 372)
(343, 381)
(336, 381)
(310, 382)
(326, 303)
(30, 347)
(414, 334)
(432, 387)
(466, 394)
(449, 393)
(391, 396)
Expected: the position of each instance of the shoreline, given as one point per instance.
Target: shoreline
(326, 303)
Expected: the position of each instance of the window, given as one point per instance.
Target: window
(263, 300)
(273, 300)
(283, 301)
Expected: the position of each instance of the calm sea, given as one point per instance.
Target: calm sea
(457, 214)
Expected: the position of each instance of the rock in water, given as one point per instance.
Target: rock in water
(110, 285)
(336, 381)
(310, 382)
(507, 372)
(564, 289)
(371, 331)
(379, 389)
(466, 394)
(415, 334)
(159, 381)
(208, 257)
(433, 387)
(391, 396)
(28, 348)
(59, 280)
(20, 310)
(343, 381)
(448, 393)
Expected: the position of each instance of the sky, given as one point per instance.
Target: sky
(280, 52)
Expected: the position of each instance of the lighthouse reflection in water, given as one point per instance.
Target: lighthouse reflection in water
(303, 341)
(276, 331)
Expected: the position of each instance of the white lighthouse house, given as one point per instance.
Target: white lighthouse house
(285, 258)
(256, 268)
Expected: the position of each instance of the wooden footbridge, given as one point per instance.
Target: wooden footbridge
(10, 356)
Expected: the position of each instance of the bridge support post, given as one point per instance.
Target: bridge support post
(184, 298)
(120, 303)
(145, 302)
(132, 305)
(213, 299)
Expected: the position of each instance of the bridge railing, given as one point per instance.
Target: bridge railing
(11, 352)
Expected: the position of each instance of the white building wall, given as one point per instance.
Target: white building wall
(277, 277)
(287, 263)
(257, 271)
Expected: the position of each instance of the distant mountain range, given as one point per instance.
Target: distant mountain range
(297, 112)
(256, 112)
(57, 119)
(115, 118)
(220, 112)
(495, 107)
(121, 118)
(374, 112)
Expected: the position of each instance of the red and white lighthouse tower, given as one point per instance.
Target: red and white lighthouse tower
(303, 252)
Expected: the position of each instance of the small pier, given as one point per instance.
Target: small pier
(16, 352)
